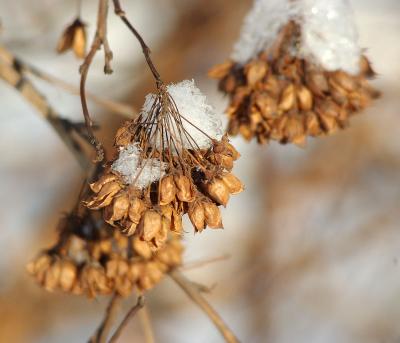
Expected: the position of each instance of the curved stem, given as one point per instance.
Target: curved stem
(194, 294)
(146, 50)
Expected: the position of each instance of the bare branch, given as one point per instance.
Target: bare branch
(145, 319)
(105, 327)
(194, 294)
(131, 313)
(11, 73)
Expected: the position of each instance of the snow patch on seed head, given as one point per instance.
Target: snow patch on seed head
(137, 171)
(329, 35)
(199, 119)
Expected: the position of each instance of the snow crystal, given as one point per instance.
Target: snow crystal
(141, 173)
(198, 117)
(329, 36)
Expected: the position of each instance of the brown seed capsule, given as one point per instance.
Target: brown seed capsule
(212, 215)
(345, 80)
(118, 210)
(167, 190)
(136, 208)
(104, 197)
(218, 191)
(222, 160)
(221, 70)
(123, 137)
(149, 225)
(317, 82)
(184, 188)
(73, 37)
(233, 184)
(154, 272)
(305, 98)
(288, 98)
(197, 216)
(312, 124)
(98, 185)
(142, 248)
(267, 105)
(68, 275)
(255, 71)
(329, 123)
(52, 276)
(176, 222)
(123, 286)
(294, 130)
(135, 269)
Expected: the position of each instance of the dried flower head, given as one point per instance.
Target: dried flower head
(172, 160)
(298, 73)
(73, 38)
(95, 261)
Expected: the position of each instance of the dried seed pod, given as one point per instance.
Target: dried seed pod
(118, 210)
(233, 184)
(288, 98)
(73, 37)
(197, 216)
(68, 275)
(217, 191)
(221, 70)
(184, 188)
(52, 276)
(149, 225)
(305, 98)
(104, 179)
(142, 248)
(136, 208)
(212, 215)
(104, 197)
(317, 82)
(167, 190)
(255, 71)
(176, 222)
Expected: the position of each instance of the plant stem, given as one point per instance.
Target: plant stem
(146, 50)
(105, 327)
(131, 313)
(11, 73)
(194, 294)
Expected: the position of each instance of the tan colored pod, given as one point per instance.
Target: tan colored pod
(304, 98)
(184, 188)
(149, 225)
(218, 191)
(167, 190)
(136, 208)
(288, 98)
(197, 216)
(68, 275)
(212, 215)
(234, 185)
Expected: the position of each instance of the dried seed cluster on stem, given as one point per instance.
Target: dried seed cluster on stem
(93, 261)
(167, 166)
(281, 96)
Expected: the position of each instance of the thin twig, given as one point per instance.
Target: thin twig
(119, 108)
(100, 39)
(144, 317)
(11, 73)
(146, 50)
(131, 313)
(195, 295)
(105, 327)
(202, 263)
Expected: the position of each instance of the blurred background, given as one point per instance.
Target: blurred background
(312, 246)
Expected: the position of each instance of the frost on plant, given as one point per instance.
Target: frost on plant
(198, 118)
(133, 169)
(329, 36)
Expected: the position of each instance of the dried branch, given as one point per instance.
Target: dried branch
(192, 291)
(146, 50)
(131, 313)
(122, 109)
(11, 73)
(111, 313)
(144, 317)
(202, 263)
(100, 39)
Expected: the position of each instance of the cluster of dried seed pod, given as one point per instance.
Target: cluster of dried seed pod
(280, 96)
(102, 263)
(73, 38)
(183, 178)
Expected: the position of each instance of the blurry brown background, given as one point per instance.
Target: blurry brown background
(314, 241)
